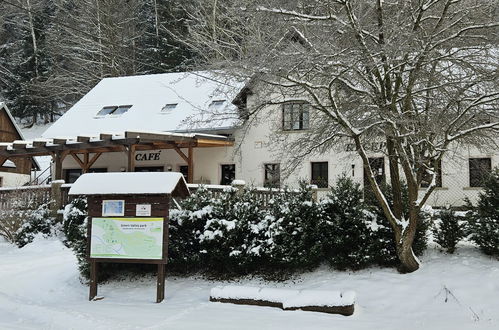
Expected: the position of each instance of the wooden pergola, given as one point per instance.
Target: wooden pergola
(87, 149)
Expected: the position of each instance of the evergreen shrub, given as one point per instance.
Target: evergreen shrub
(234, 233)
(74, 226)
(449, 230)
(348, 229)
(36, 222)
(484, 218)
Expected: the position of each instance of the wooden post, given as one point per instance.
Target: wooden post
(160, 293)
(190, 165)
(130, 158)
(57, 158)
(56, 198)
(93, 280)
(85, 161)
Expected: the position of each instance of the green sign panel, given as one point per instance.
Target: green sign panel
(127, 238)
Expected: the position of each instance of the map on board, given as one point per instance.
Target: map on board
(127, 238)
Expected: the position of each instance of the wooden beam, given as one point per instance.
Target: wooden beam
(130, 158)
(93, 159)
(37, 144)
(78, 160)
(208, 142)
(85, 161)
(190, 165)
(105, 137)
(60, 141)
(181, 154)
(58, 158)
(83, 139)
(19, 145)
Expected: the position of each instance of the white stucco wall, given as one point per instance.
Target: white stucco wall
(207, 162)
(14, 179)
(256, 145)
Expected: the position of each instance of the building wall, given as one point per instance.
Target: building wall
(207, 162)
(260, 145)
(257, 144)
(13, 179)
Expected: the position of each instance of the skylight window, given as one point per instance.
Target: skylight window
(113, 110)
(106, 111)
(217, 104)
(169, 107)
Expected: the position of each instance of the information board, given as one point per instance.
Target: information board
(127, 238)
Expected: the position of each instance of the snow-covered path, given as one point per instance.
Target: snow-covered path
(39, 289)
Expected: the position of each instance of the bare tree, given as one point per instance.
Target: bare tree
(419, 75)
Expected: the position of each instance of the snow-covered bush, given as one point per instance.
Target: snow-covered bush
(348, 227)
(74, 226)
(448, 230)
(23, 203)
(293, 229)
(484, 219)
(186, 225)
(235, 234)
(39, 221)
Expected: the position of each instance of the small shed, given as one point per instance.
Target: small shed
(129, 218)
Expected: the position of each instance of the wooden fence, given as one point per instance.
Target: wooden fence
(42, 194)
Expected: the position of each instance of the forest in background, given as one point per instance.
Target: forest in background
(54, 51)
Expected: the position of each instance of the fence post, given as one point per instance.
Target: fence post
(239, 185)
(56, 199)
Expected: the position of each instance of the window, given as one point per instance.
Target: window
(121, 110)
(106, 111)
(74, 173)
(168, 107)
(113, 110)
(184, 169)
(320, 174)
(228, 174)
(378, 168)
(272, 177)
(216, 104)
(1, 181)
(149, 169)
(295, 116)
(426, 179)
(480, 168)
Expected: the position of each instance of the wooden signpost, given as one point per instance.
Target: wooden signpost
(130, 226)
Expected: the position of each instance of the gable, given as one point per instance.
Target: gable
(9, 131)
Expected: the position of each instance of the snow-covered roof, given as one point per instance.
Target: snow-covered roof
(159, 102)
(127, 183)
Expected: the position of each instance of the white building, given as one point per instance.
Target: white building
(185, 102)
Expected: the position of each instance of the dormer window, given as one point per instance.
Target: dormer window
(169, 107)
(113, 110)
(217, 104)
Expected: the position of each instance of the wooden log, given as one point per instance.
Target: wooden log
(342, 310)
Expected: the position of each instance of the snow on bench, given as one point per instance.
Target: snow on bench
(333, 302)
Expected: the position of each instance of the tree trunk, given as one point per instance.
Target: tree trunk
(408, 260)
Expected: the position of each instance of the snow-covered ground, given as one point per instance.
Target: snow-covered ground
(39, 289)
